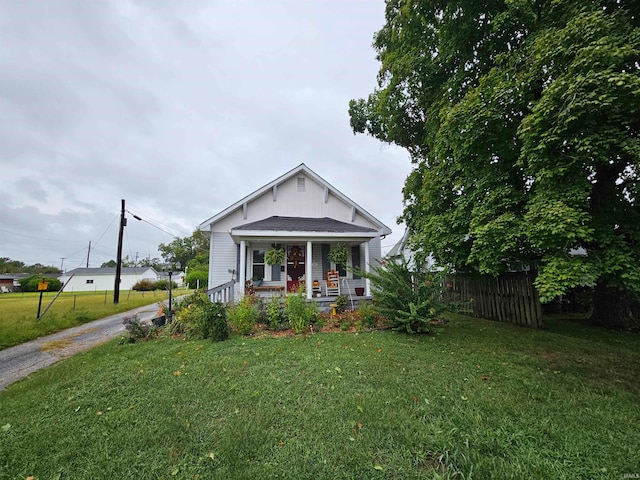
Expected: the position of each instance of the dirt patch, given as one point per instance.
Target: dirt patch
(55, 345)
(83, 332)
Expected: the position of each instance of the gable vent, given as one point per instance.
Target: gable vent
(301, 184)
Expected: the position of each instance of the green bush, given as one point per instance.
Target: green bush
(244, 315)
(136, 329)
(197, 277)
(30, 284)
(298, 312)
(341, 303)
(367, 313)
(408, 299)
(144, 285)
(198, 318)
(163, 284)
(273, 311)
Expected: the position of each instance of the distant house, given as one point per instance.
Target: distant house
(402, 251)
(176, 277)
(10, 282)
(302, 214)
(7, 283)
(99, 279)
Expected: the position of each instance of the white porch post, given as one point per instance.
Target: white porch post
(242, 274)
(210, 281)
(308, 269)
(367, 282)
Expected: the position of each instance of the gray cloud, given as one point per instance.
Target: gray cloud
(181, 108)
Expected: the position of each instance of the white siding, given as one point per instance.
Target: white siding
(223, 258)
(292, 203)
(375, 252)
(101, 282)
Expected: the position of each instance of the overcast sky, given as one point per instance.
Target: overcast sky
(181, 108)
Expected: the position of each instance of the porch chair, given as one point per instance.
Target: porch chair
(333, 283)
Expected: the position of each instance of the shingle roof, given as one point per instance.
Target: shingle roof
(302, 224)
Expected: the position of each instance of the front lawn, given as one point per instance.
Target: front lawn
(18, 311)
(480, 400)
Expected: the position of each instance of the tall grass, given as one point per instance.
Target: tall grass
(18, 311)
(480, 400)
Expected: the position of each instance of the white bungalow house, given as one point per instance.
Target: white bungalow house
(99, 279)
(305, 216)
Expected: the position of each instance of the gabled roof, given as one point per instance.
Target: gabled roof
(398, 249)
(303, 224)
(302, 168)
(109, 271)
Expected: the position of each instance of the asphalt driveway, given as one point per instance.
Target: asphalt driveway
(19, 361)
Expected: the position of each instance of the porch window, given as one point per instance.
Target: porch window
(258, 268)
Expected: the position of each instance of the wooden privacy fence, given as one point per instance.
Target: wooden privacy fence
(510, 298)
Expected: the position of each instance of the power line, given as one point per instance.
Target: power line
(106, 229)
(40, 238)
(137, 217)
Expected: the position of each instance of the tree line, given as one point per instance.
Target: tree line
(191, 253)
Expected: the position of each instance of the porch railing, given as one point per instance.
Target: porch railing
(222, 293)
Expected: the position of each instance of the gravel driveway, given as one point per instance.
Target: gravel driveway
(19, 361)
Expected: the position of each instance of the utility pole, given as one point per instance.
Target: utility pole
(88, 253)
(116, 287)
(61, 264)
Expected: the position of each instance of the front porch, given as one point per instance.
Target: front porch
(225, 294)
(307, 246)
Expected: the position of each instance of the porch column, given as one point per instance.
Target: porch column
(242, 274)
(210, 281)
(367, 282)
(308, 269)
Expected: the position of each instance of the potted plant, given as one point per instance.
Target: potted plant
(257, 281)
(339, 255)
(274, 256)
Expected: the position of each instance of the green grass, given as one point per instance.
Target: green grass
(480, 400)
(18, 311)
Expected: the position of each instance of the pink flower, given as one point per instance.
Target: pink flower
(427, 283)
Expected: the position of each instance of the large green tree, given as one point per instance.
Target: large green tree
(193, 254)
(522, 120)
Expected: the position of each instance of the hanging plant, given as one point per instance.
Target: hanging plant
(274, 256)
(339, 255)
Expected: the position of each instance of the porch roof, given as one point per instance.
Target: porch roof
(297, 227)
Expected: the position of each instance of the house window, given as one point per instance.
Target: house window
(301, 184)
(258, 268)
(89, 281)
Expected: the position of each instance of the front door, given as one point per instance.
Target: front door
(295, 267)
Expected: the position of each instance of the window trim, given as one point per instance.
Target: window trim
(267, 271)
